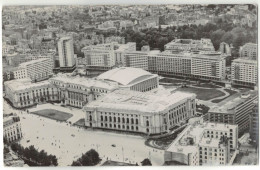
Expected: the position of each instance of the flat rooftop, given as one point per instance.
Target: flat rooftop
(243, 60)
(197, 132)
(228, 105)
(86, 82)
(139, 102)
(33, 62)
(23, 84)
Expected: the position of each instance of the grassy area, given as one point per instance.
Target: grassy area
(53, 114)
(173, 82)
(206, 85)
(80, 122)
(203, 94)
(231, 92)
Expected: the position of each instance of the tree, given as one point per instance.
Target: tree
(146, 162)
(76, 163)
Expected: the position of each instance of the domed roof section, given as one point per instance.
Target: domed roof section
(124, 75)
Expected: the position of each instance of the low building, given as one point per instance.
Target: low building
(131, 78)
(12, 128)
(244, 72)
(234, 110)
(203, 143)
(148, 113)
(23, 93)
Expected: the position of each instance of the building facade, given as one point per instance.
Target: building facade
(66, 54)
(244, 72)
(133, 111)
(203, 143)
(254, 124)
(12, 128)
(234, 110)
(249, 50)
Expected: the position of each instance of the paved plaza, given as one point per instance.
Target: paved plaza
(68, 142)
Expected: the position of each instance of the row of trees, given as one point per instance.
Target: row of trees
(30, 153)
(90, 158)
(220, 31)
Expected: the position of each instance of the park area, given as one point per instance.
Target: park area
(53, 114)
(202, 94)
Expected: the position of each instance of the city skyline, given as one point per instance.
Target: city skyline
(130, 85)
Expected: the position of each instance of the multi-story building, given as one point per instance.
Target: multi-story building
(12, 128)
(105, 56)
(131, 78)
(148, 113)
(178, 45)
(209, 66)
(66, 54)
(234, 110)
(203, 143)
(136, 59)
(78, 91)
(249, 50)
(224, 48)
(23, 93)
(200, 66)
(168, 64)
(244, 72)
(254, 124)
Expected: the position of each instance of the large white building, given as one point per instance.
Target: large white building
(249, 50)
(66, 54)
(148, 113)
(131, 78)
(105, 56)
(244, 72)
(203, 143)
(77, 91)
(12, 128)
(178, 45)
(23, 93)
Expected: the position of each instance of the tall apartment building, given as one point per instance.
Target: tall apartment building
(178, 45)
(204, 143)
(66, 54)
(168, 64)
(208, 66)
(249, 50)
(224, 48)
(148, 113)
(234, 110)
(200, 66)
(12, 128)
(136, 59)
(244, 72)
(254, 124)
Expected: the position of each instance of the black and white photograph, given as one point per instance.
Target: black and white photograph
(130, 84)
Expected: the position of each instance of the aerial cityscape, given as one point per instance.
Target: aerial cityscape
(130, 85)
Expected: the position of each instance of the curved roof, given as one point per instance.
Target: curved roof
(124, 75)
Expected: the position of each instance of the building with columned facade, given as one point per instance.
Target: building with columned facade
(147, 113)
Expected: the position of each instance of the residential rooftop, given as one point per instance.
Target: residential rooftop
(197, 131)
